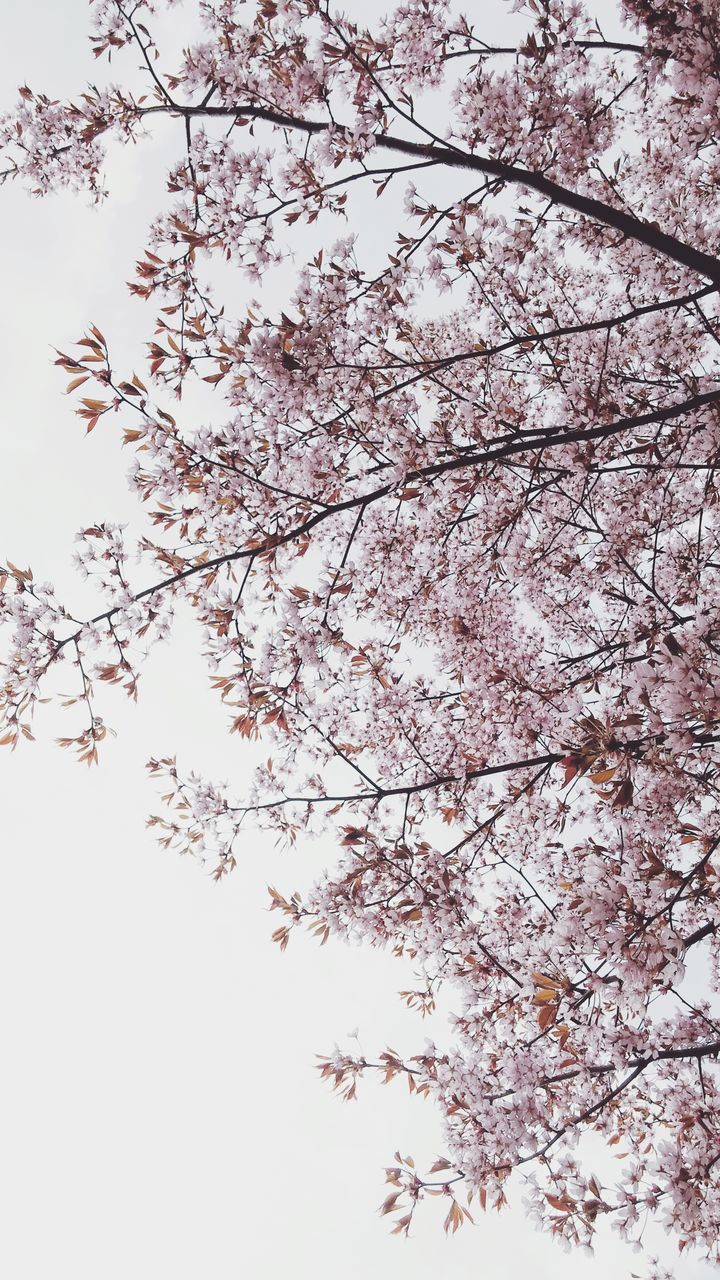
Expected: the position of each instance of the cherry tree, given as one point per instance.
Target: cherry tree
(451, 538)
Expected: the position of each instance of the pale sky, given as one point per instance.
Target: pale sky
(160, 1116)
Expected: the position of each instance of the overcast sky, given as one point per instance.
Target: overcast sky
(159, 1111)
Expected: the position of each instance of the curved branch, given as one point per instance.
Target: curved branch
(541, 438)
(632, 228)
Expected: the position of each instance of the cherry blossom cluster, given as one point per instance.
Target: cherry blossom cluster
(451, 536)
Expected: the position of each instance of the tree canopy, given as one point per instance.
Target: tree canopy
(451, 536)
